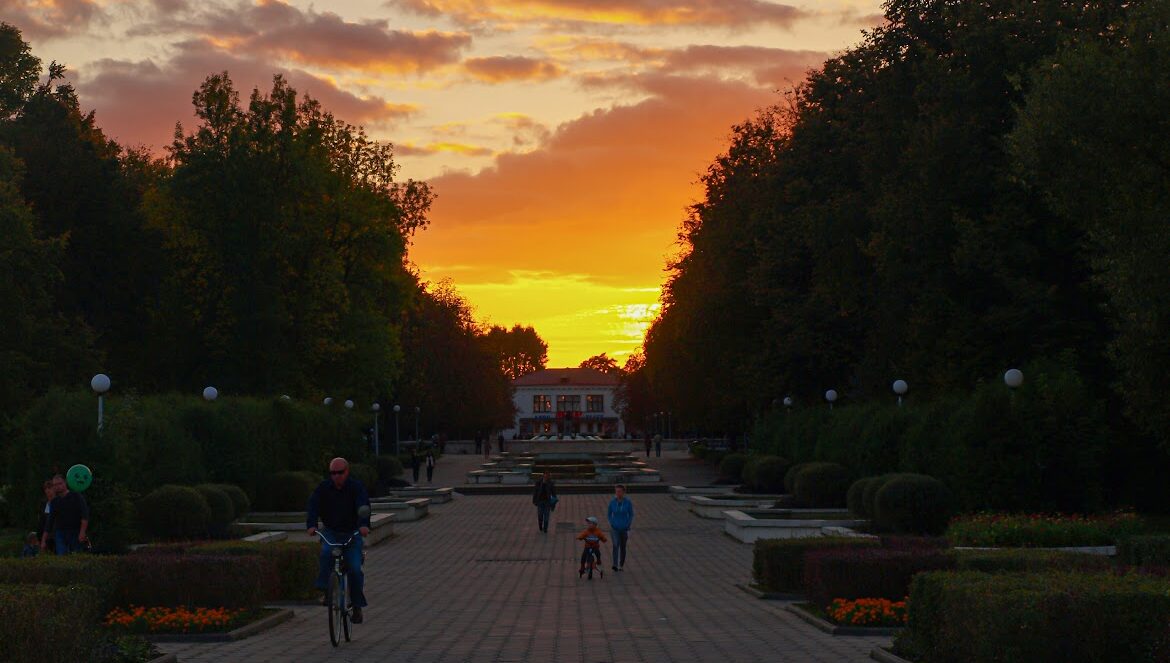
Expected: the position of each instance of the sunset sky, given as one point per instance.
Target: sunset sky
(564, 138)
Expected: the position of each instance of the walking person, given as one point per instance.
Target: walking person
(500, 442)
(658, 446)
(430, 465)
(414, 464)
(337, 501)
(621, 516)
(544, 496)
(68, 519)
(43, 526)
(647, 445)
(487, 446)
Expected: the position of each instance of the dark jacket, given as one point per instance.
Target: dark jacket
(337, 508)
(544, 492)
(66, 513)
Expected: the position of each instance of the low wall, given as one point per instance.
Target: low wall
(635, 446)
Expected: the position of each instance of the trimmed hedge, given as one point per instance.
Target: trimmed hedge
(1150, 550)
(46, 623)
(222, 510)
(731, 467)
(286, 491)
(165, 579)
(294, 564)
(1028, 561)
(778, 564)
(869, 493)
(1039, 618)
(240, 503)
(822, 485)
(765, 474)
(858, 573)
(790, 477)
(97, 571)
(388, 468)
(364, 473)
(855, 498)
(174, 512)
(913, 504)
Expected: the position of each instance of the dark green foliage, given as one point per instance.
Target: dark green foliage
(97, 571)
(1151, 550)
(389, 467)
(364, 473)
(855, 498)
(1029, 561)
(165, 579)
(222, 511)
(286, 491)
(822, 485)
(778, 564)
(240, 503)
(1040, 618)
(174, 512)
(913, 504)
(294, 564)
(869, 494)
(790, 477)
(767, 474)
(855, 573)
(731, 467)
(47, 623)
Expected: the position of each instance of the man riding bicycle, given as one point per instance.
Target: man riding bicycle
(337, 500)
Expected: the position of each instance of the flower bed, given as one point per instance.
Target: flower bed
(161, 619)
(867, 612)
(1042, 531)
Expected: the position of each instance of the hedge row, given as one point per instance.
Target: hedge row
(778, 564)
(48, 623)
(1149, 550)
(857, 573)
(1056, 617)
(902, 503)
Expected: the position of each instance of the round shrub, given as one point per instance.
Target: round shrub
(286, 491)
(364, 473)
(174, 512)
(869, 494)
(769, 474)
(240, 503)
(389, 467)
(731, 468)
(790, 477)
(913, 504)
(855, 498)
(223, 512)
(822, 485)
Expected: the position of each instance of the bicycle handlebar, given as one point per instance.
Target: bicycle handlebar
(341, 545)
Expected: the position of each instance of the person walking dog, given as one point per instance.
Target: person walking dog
(621, 517)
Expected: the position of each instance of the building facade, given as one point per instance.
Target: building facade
(566, 401)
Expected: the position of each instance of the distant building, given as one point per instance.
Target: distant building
(566, 401)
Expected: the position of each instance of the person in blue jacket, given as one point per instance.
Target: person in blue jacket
(621, 516)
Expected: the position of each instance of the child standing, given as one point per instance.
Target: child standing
(31, 545)
(593, 538)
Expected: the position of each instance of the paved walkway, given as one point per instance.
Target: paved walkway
(476, 581)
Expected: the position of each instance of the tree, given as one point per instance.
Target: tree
(520, 350)
(603, 363)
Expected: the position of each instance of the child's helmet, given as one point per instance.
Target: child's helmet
(592, 520)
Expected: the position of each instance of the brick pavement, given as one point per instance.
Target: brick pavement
(475, 581)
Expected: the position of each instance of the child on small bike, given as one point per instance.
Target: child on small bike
(593, 538)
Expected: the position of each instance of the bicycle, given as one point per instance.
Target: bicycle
(592, 563)
(335, 593)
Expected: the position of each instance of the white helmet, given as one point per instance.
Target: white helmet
(592, 520)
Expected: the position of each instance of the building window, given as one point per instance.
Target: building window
(568, 403)
(595, 403)
(542, 403)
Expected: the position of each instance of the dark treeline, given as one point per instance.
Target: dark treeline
(976, 186)
(266, 254)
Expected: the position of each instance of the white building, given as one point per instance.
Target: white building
(566, 401)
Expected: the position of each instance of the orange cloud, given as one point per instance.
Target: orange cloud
(612, 12)
(408, 149)
(502, 69)
(138, 103)
(48, 19)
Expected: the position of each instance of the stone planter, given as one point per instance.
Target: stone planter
(404, 510)
(748, 529)
(435, 495)
(681, 493)
(705, 506)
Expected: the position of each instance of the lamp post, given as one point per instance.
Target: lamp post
(377, 447)
(417, 410)
(788, 402)
(831, 396)
(328, 401)
(100, 385)
(348, 404)
(900, 388)
(396, 410)
(1013, 378)
(210, 394)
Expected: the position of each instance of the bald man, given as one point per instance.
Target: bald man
(336, 500)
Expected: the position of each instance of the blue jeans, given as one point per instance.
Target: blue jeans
(67, 541)
(353, 560)
(542, 511)
(620, 536)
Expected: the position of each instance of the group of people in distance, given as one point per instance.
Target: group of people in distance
(619, 513)
(64, 521)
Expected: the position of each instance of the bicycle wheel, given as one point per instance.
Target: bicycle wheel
(332, 598)
(344, 611)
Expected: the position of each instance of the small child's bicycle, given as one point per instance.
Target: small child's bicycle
(591, 560)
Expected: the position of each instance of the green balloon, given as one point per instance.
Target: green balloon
(78, 478)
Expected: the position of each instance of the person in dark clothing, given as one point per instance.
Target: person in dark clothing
(414, 464)
(478, 444)
(336, 502)
(68, 519)
(658, 446)
(647, 445)
(43, 525)
(31, 546)
(430, 466)
(544, 496)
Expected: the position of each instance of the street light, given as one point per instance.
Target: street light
(397, 409)
(286, 397)
(900, 388)
(788, 402)
(328, 401)
(1013, 378)
(377, 447)
(831, 396)
(417, 410)
(210, 394)
(100, 385)
(348, 404)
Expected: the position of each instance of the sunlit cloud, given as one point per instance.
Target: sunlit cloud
(501, 69)
(439, 148)
(659, 13)
(49, 19)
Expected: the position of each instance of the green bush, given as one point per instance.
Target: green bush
(869, 494)
(790, 477)
(174, 512)
(364, 473)
(778, 564)
(1028, 561)
(46, 623)
(389, 467)
(822, 485)
(286, 491)
(156, 578)
(768, 474)
(293, 564)
(100, 572)
(112, 517)
(731, 467)
(857, 573)
(747, 475)
(222, 511)
(240, 503)
(1039, 531)
(1148, 550)
(855, 497)
(913, 504)
(1039, 618)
